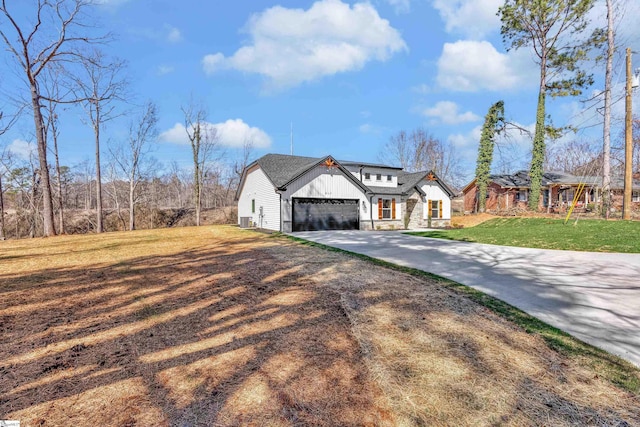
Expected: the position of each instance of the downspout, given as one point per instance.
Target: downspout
(371, 211)
(281, 216)
(361, 167)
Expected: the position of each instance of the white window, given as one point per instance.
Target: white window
(522, 195)
(379, 177)
(367, 175)
(389, 178)
(635, 197)
(386, 208)
(435, 208)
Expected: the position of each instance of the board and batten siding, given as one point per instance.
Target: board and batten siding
(259, 188)
(433, 191)
(321, 183)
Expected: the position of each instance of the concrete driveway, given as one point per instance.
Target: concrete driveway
(593, 296)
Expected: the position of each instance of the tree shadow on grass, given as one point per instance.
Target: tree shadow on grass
(445, 360)
(216, 335)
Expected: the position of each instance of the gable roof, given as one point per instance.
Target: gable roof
(408, 180)
(282, 169)
(521, 179)
(370, 165)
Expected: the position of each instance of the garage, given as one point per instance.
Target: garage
(325, 214)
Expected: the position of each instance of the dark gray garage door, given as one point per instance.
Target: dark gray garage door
(325, 214)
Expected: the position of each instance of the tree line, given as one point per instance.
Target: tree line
(162, 198)
(56, 49)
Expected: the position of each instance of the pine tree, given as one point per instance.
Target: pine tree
(554, 29)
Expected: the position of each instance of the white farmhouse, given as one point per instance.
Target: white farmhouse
(292, 193)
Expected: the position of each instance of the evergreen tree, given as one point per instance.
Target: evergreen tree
(485, 150)
(554, 29)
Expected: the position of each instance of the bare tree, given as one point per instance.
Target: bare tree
(133, 158)
(575, 157)
(101, 86)
(204, 141)
(52, 88)
(5, 160)
(50, 32)
(113, 191)
(245, 157)
(177, 178)
(5, 167)
(421, 151)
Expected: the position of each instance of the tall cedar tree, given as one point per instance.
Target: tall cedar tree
(554, 29)
(485, 151)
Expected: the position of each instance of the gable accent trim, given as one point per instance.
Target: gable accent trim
(335, 163)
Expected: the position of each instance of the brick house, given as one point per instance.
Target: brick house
(508, 191)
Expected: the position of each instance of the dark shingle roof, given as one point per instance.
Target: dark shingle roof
(385, 190)
(371, 165)
(408, 180)
(282, 168)
(521, 179)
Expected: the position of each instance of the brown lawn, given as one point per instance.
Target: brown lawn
(471, 220)
(226, 327)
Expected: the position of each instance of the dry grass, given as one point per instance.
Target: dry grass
(226, 327)
(471, 220)
(442, 359)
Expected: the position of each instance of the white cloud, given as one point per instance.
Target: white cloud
(470, 18)
(22, 149)
(165, 69)
(293, 46)
(466, 141)
(232, 133)
(173, 34)
(371, 129)
(176, 135)
(466, 145)
(421, 89)
(471, 66)
(512, 152)
(400, 6)
(447, 112)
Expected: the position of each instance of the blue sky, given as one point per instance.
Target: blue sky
(347, 75)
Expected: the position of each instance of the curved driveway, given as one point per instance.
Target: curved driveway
(593, 296)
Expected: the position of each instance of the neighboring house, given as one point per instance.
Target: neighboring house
(292, 193)
(506, 191)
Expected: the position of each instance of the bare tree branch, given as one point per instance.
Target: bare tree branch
(35, 53)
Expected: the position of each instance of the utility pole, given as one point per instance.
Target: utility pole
(628, 147)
